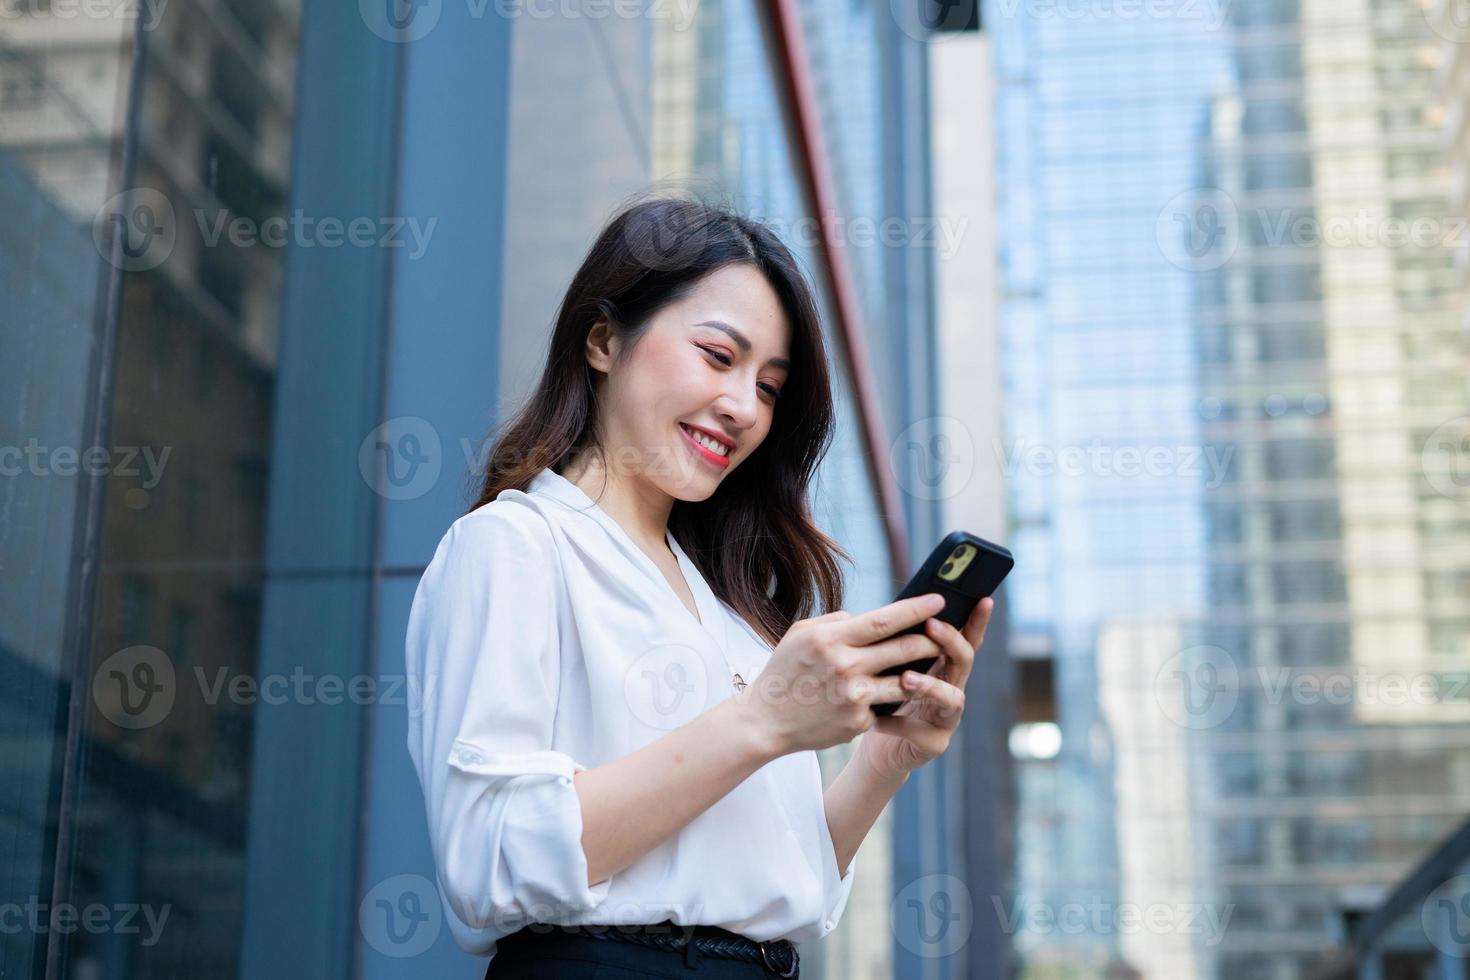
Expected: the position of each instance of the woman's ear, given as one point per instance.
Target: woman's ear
(602, 345)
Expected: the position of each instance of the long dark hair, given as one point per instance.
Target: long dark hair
(753, 540)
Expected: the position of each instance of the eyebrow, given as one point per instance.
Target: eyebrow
(744, 342)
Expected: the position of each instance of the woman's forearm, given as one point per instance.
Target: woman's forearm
(853, 802)
(633, 804)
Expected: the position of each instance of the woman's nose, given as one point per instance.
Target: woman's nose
(739, 408)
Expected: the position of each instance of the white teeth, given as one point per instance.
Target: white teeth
(705, 441)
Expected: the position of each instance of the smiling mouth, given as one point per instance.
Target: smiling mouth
(704, 451)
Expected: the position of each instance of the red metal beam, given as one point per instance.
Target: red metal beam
(791, 47)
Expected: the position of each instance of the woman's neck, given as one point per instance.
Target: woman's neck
(640, 509)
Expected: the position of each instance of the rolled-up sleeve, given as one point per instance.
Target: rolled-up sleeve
(483, 649)
(836, 887)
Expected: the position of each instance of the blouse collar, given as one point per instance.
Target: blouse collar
(711, 615)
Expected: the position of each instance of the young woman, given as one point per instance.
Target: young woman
(622, 698)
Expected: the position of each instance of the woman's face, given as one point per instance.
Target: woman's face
(711, 363)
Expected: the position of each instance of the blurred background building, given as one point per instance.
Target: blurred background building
(1236, 241)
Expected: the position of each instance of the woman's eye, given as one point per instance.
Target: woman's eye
(724, 359)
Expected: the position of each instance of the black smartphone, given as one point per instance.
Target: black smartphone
(964, 569)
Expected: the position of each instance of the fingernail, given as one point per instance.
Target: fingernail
(910, 679)
(936, 602)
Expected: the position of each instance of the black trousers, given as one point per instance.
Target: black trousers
(553, 956)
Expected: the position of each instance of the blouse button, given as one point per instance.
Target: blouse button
(470, 756)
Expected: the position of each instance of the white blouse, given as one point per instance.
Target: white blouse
(545, 642)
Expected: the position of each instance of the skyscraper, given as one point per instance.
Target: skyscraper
(1232, 240)
(1096, 113)
(1330, 338)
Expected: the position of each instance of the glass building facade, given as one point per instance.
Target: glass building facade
(1212, 261)
(279, 270)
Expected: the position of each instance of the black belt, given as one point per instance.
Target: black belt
(777, 955)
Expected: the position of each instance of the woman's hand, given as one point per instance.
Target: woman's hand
(922, 726)
(818, 687)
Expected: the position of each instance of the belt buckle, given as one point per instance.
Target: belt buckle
(767, 961)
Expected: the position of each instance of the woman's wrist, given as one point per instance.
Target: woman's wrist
(876, 779)
(760, 736)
